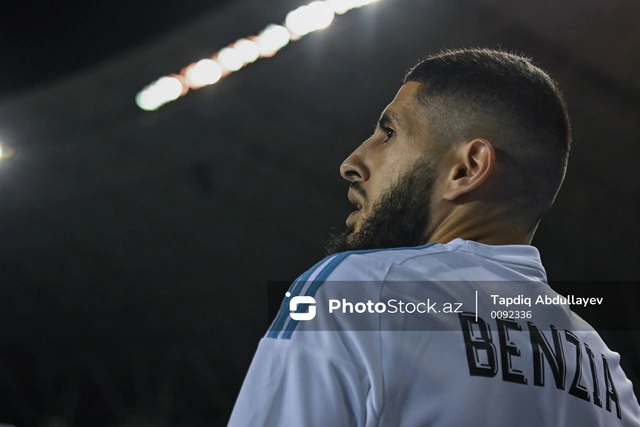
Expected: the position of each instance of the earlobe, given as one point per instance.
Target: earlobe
(474, 162)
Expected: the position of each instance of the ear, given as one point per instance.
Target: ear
(473, 162)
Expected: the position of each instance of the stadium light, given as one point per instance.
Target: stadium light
(5, 152)
(298, 23)
(322, 14)
(169, 88)
(165, 89)
(203, 73)
(306, 19)
(247, 50)
(230, 59)
(272, 39)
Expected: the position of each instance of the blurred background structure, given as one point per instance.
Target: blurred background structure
(136, 246)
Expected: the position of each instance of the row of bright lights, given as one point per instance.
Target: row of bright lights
(298, 23)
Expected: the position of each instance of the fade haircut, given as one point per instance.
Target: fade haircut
(505, 98)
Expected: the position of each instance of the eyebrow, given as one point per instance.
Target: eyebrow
(391, 117)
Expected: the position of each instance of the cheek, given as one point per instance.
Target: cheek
(394, 169)
(388, 167)
(377, 190)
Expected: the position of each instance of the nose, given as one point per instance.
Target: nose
(354, 168)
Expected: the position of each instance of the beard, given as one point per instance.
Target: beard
(398, 219)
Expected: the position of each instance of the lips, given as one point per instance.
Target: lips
(353, 198)
(351, 195)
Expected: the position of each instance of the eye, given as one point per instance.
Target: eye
(389, 133)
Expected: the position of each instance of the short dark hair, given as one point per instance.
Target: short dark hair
(504, 97)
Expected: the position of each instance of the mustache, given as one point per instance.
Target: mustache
(358, 188)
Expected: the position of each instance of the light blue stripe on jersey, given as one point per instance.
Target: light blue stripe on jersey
(294, 289)
(314, 285)
(328, 269)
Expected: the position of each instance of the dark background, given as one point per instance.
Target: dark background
(136, 247)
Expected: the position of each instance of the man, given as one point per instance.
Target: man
(432, 309)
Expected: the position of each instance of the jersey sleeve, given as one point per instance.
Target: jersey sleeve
(293, 384)
(315, 372)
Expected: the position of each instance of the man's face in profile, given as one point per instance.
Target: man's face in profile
(392, 181)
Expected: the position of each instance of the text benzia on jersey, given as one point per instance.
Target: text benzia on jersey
(524, 352)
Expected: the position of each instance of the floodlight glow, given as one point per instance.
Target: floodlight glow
(247, 50)
(297, 22)
(339, 6)
(342, 6)
(5, 152)
(165, 89)
(230, 60)
(315, 16)
(168, 88)
(321, 15)
(146, 100)
(272, 39)
(306, 19)
(360, 3)
(204, 72)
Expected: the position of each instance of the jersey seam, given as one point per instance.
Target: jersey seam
(461, 249)
(419, 256)
(384, 397)
(361, 371)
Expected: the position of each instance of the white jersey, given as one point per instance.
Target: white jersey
(457, 334)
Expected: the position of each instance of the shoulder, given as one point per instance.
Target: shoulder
(347, 273)
(360, 265)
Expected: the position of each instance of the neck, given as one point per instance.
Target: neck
(489, 229)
